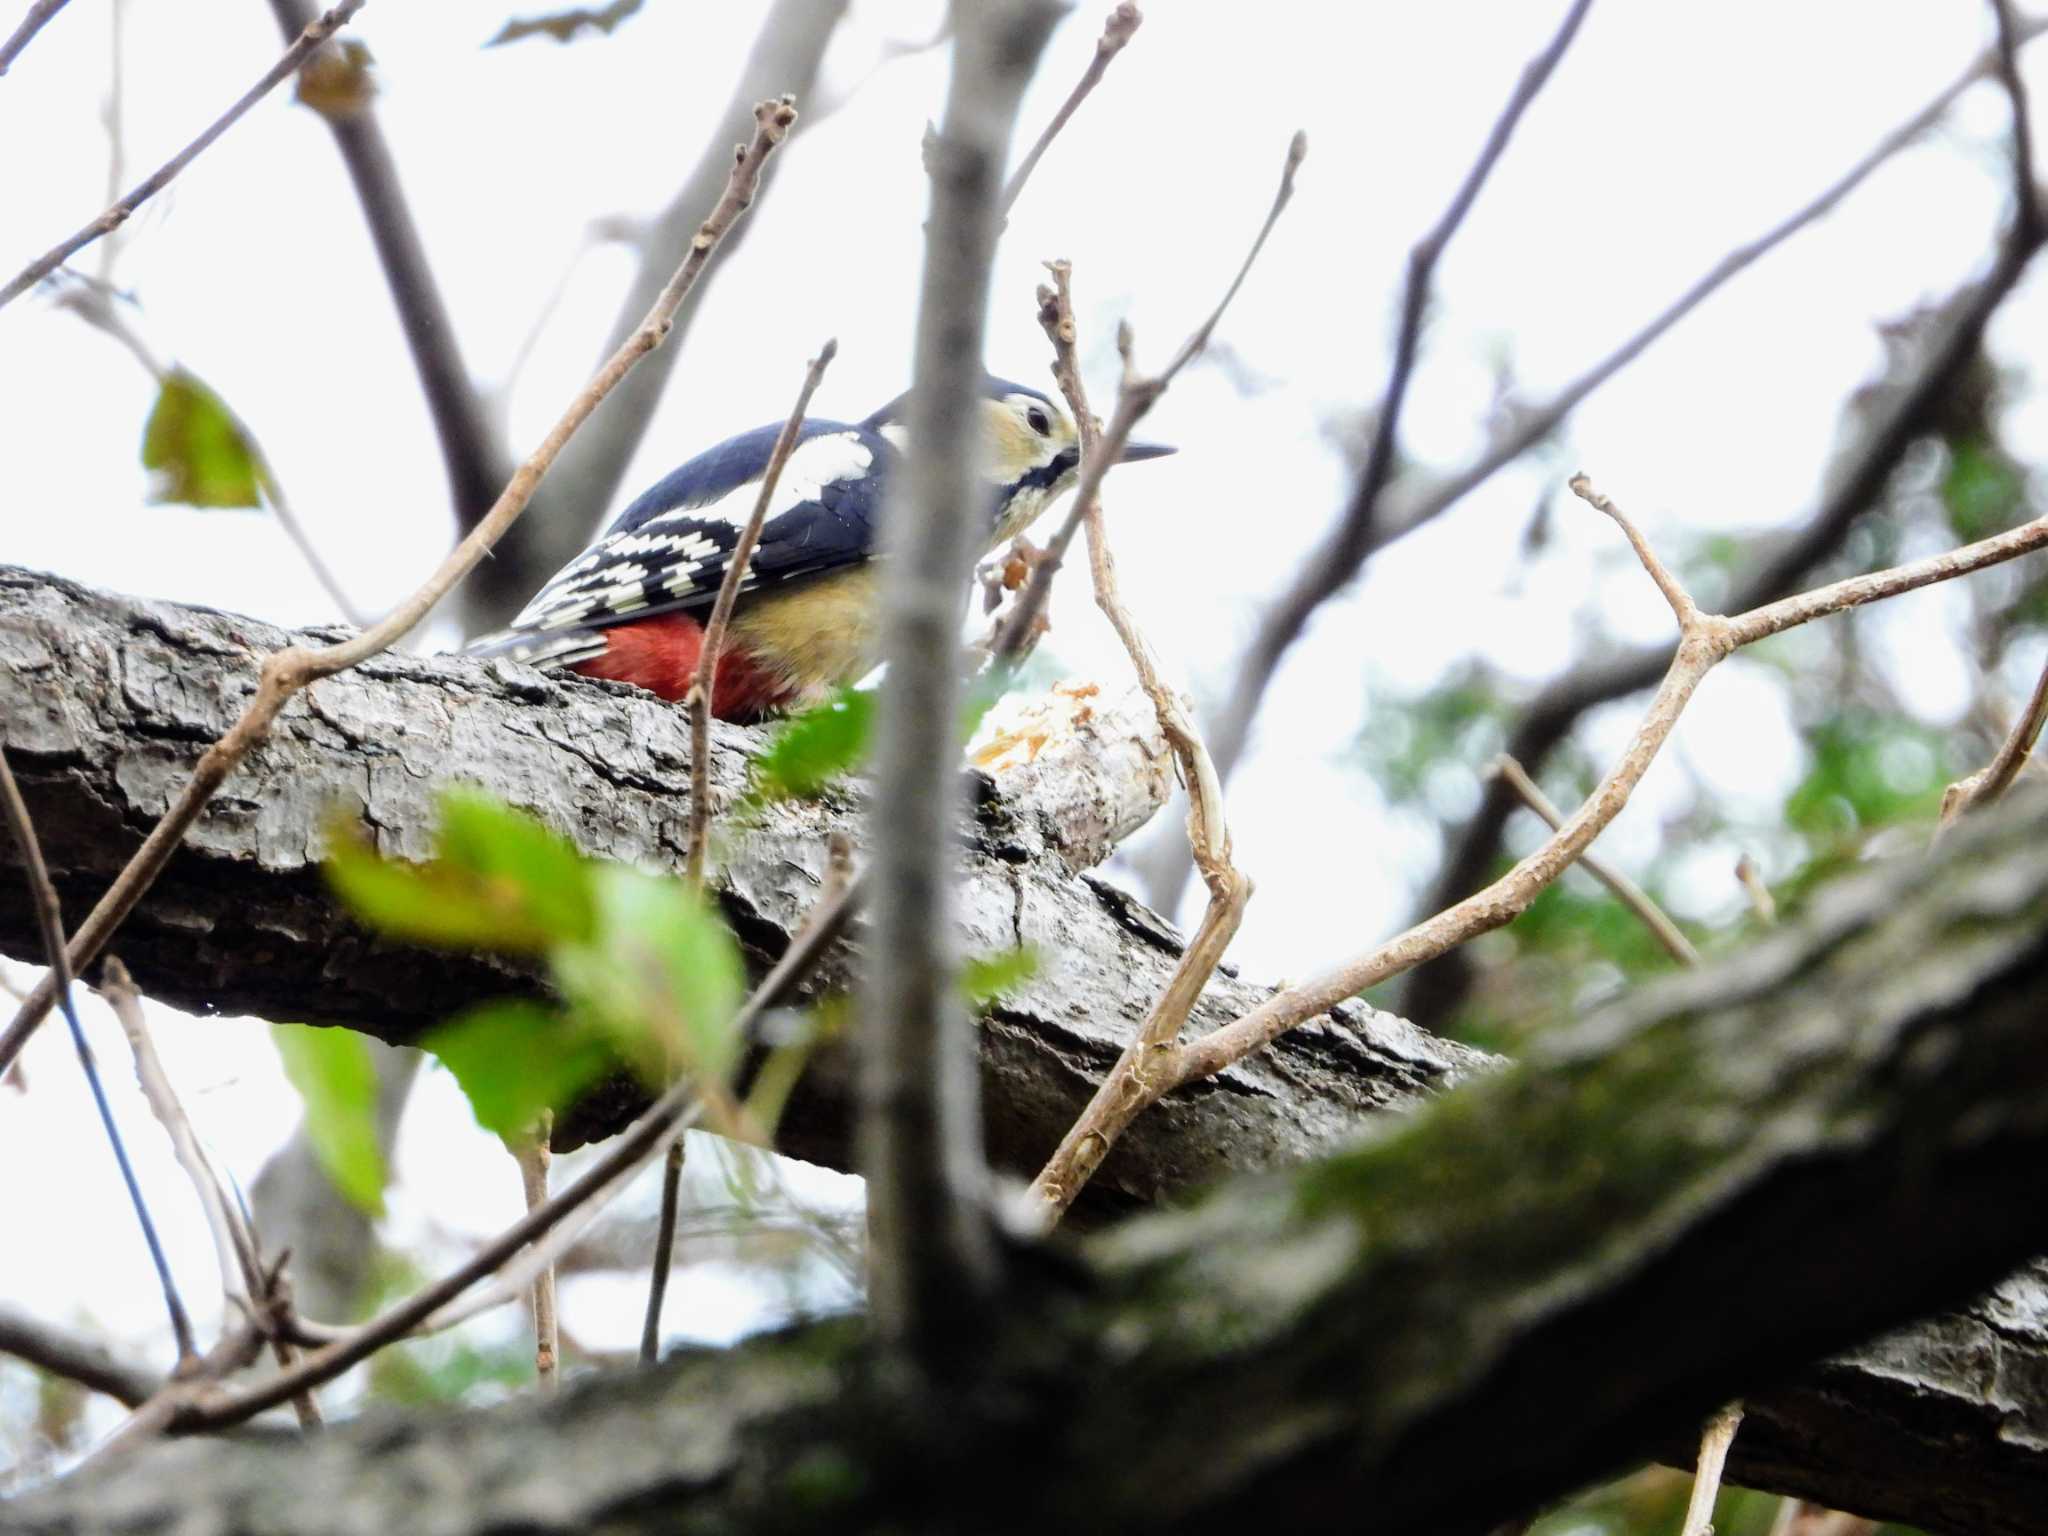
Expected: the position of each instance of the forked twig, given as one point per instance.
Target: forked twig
(1364, 527)
(1079, 1151)
(1134, 399)
(1626, 891)
(287, 672)
(315, 34)
(1706, 641)
(213, 1407)
(74, 1358)
(234, 1243)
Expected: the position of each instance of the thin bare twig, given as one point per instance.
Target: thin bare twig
(1362, 531)
(1997, 776)
(1761, 901)
(50, 918)
(39, 13)
(2026, 191)
(1117, 30)
(1707, 640)
(473, 455)
(1137, 396)
(646, 1137)
(74, 1358)
(1630, 895)
(1081, 1150)
(314, 35)
(664, 1252)
(114, 117)
(1706, 1479)
(1906, 410)
(289, 671)
(789, 47)
(1337, 563)
(704, 687)
(234, 1243)
(533, 1157)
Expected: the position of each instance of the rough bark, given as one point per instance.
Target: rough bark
(1546, 1272)
(105, 702)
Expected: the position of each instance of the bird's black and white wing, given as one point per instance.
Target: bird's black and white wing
(667, 552)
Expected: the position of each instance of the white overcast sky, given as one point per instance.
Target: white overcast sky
(1671, 132)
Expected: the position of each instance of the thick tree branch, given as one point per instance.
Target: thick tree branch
(105, 702)
(1860, 1100)
(285, 674)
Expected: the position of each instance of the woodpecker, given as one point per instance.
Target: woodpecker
(632, 607)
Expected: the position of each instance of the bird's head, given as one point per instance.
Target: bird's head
(1033, 454)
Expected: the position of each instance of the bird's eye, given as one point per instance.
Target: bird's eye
(1040, 422)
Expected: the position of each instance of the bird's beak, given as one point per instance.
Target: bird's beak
(1135, 451)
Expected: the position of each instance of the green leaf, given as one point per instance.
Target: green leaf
(1984, 492)
(514, 1059)
(663, 978)
(504, 847)
(815, 748)
(987, 977)
(566, 26)
(196, 448)
(331, 1068)
(499, 881)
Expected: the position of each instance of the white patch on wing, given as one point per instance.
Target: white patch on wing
(812, 466)
(611, 576)
(898, 436)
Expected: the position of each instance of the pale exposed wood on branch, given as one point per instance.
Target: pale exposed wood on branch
(315, 34)
(106, 702)
(289, 671)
